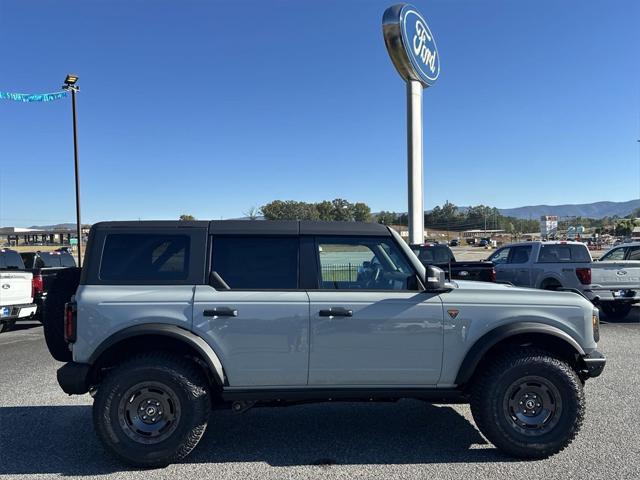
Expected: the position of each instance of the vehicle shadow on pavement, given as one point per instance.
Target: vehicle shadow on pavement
(406, 432)
(60, 439)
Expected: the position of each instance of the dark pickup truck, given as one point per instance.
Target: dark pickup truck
(442, 257)
(45, 266)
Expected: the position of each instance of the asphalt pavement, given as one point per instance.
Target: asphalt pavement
(45, 434)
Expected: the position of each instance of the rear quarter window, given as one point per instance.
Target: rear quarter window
(10, 260)
(146, 258)
(564, 253)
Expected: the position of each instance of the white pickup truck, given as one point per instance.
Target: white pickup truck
(613, 286)
(16, 290)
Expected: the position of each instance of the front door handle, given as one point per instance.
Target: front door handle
(221, 312)
(336, 312)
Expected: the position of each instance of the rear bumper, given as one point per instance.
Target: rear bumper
(593, 364)
(599, 296)
(73, 378)
(18, 312)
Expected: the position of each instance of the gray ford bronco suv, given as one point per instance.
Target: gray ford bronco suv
(168, 320)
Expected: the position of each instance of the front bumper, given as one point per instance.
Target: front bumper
(593, 364)
(73, 378)
(17, 312)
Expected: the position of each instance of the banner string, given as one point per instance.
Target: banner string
(32, 97)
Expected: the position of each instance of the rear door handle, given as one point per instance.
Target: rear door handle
(221, 312)
(336, 312)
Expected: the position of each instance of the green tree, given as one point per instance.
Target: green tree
(184, 217)
(387, 218)
(289, 210)
(325, 210)
(342, 210)
(361, 212)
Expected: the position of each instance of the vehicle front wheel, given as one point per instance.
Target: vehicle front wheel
(152, 410)
(616, 310)
(528, 403)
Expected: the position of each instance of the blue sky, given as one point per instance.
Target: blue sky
(210, 108)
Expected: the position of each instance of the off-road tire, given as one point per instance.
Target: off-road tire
(60, 292)
(7, 326)
(615, 310)
(491, 393)
(180, 376)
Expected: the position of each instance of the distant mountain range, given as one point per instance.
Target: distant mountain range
(587, 210)
(59, 226)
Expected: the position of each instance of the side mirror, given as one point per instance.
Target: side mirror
(435, 278)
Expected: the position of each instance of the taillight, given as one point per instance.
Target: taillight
(492, 275)
(584, 275)
(37, 286)
(70, 322)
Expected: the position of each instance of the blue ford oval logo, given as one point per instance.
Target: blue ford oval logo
(420, 45)
(411, 44)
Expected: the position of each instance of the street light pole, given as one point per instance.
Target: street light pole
(70, 84)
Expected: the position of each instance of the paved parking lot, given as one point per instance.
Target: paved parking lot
(44, 433)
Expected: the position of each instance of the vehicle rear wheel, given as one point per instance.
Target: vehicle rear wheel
(528, 403)
(152, 410)
(7, 326)
(615, 310)
(52, 315)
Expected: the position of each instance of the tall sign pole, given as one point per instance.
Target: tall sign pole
(413, 51)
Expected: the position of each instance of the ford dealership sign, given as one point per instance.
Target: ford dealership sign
(411, 44)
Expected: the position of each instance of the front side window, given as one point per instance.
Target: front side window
(363, 264)
(256, 263)
(145, 257)
(501, 256)
(615, 254)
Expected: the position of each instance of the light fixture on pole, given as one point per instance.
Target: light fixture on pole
(70, 85)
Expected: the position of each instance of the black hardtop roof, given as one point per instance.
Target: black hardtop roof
(256, 227)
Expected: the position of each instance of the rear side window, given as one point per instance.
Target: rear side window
(564, 253)
(10, 260)
(145, 257)
(256, 263)
(520, 254)
(634, 253)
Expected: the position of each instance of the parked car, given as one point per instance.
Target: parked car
(45, 266)
(16, 298)
(454, 243)
(627, 251)
(613, 286)
(442, 257)
(171, 318)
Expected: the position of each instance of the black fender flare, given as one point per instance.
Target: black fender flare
(166, 330)
(493, 337)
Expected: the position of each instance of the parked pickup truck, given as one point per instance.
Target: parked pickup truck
(442, 257)
(16, 297)
(45, 266)
(169, 319)
(614, 286)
